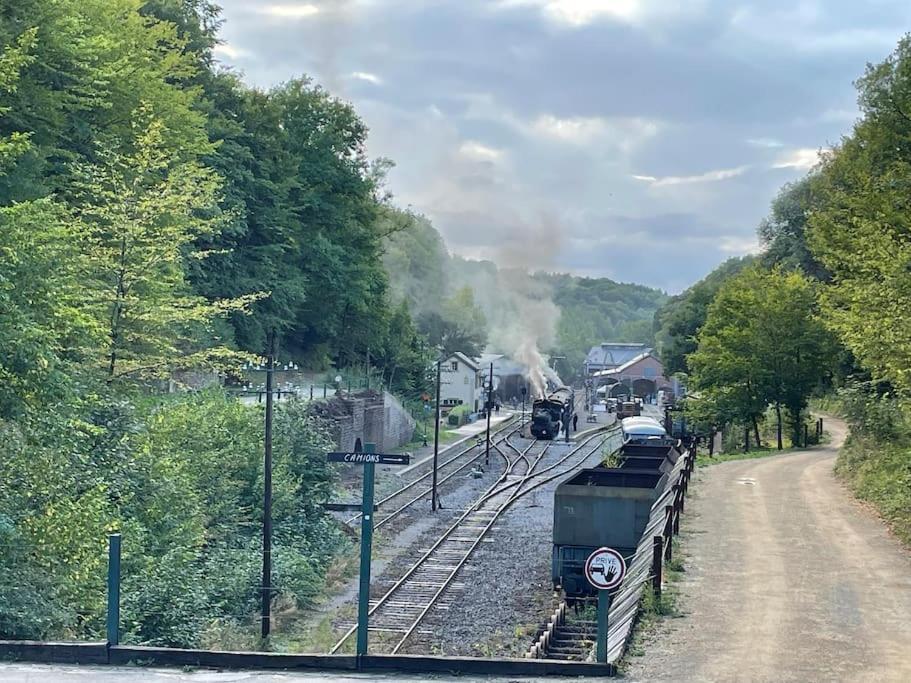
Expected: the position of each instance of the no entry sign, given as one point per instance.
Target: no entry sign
(376, 458)
(605, 569)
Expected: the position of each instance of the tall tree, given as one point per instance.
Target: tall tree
(862, 232)
(761, 344)
(143, 212)
(678, 321)
(783, 232)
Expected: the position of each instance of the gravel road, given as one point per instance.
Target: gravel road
(788, 578)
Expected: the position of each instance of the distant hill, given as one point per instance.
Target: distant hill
(591, 310)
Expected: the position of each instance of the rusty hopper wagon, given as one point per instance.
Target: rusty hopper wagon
(599, 507)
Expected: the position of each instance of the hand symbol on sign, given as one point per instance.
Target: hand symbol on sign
(609, 572)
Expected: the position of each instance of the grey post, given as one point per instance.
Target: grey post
(113, 622)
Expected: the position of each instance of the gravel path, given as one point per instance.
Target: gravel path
(788, 579)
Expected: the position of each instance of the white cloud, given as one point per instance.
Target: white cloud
(708, 177)
(290, 11)
(367, 76)
(582, 12)
(476, 151)
(803, 159)
(578, 13)
(769, 143)
(576, 130)
(229, 51)
(623, 132)
(732, 244)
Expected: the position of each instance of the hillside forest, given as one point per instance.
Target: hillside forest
(159, 216)
(821, 313)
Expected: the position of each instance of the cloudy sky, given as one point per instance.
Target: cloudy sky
(650, 134)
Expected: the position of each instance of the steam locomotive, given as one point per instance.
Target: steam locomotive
(548, 413)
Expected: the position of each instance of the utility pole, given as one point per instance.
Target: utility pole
(489, 408)
(267, 496)
(436, 442)
(367, 369)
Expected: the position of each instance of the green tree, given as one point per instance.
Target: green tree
(678, 321)
(459, 326)
(762, 343)
(46, 325)
(91, 64)
(142, 212)
(783, 232)
(861, 231)
(12, 59)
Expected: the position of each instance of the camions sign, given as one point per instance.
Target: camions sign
(375, 458)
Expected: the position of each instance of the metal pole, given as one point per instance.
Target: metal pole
(113, 623)
(363, 596)
(603, 608)
(489, 408)
(367, 369)
(436, 442)
(267, 497)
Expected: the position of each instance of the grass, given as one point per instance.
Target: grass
(703, 459)
(880, 473)
(653, 610)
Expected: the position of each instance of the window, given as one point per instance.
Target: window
(455, 366)
(648, 372)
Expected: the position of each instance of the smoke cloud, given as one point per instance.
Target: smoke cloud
(521, 314)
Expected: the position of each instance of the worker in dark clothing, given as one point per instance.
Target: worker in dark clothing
(575, 422)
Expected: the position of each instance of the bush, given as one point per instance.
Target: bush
(458, 415)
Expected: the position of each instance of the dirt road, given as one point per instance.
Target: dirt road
(787, 579)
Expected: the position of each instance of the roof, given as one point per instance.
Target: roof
(626, 365)
(502, 364)
(612, 354)
(458, 355)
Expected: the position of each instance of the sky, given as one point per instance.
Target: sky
(649, 135)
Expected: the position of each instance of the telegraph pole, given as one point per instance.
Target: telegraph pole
(436, 442)
(489, 408)
(267, 496)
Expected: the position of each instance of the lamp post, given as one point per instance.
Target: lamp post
(489, 408)
(267, 496)
(436, 441)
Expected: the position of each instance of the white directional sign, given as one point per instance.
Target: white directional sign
(605, 569)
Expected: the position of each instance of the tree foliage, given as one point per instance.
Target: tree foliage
(861, 232)
(678, 321)
(762, 343)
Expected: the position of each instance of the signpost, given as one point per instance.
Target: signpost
(604, 569)
(369, 460)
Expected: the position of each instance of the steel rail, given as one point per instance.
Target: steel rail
(499, 512)
(494, 490)
(395, 513)
(424, 476)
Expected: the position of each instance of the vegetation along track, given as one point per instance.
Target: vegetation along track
(411, 493)
(405, 605)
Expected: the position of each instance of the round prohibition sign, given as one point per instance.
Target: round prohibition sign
(605, 569)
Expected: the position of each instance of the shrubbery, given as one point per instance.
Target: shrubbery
(181, 479)
(876, 458)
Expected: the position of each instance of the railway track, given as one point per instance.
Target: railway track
(398, 613)
(412, 493)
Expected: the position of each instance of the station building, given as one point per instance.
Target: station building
(626, 369)
(461, 382)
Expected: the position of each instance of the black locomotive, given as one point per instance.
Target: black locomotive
(550, 413)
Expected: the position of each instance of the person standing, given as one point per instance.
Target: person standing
(575, 422)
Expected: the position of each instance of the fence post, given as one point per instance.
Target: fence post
(668, 531)
(657, 564)
(113, 622)
(806, 435)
